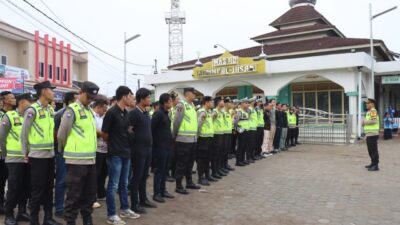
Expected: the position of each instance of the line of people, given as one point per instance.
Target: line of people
(87, 143)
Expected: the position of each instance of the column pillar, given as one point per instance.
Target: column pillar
(353, 109)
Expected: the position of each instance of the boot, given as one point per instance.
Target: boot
(22, 215)
(34, 218)
(10, 220)
(179, 188)
(87, 220)
(48, 218)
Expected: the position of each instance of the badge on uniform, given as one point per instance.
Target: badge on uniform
(42, 114)
(17, 121)
(82, 114)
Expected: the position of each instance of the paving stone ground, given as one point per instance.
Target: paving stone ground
(310, 184)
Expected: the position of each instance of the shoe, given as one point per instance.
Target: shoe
(222, 174)
(251, 161)
(293, 145)
(59, 214)
(71, 223)
(204, 182)
(87, 220)
(10, 220)
(228, 167)
(115, 220)
(166, 194)
(192, 185)
(225, 170)
(369, 166)
(216, 176)
(23, 217)
(246, 163)
(297, 143)
(170, 179)
(127, 213)
(48, 219)
(96, 205)
(182, 191)
(158, 198)
(240, 164)
(34, 219)
(373, 168)
(139, 209)
(211, 179)
(148, 204)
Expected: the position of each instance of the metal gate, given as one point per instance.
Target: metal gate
(320, 127)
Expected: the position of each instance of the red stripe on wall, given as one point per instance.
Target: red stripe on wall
(37, 55)
(61, 61)
(69, 64)
(46, 57)
(54, 43)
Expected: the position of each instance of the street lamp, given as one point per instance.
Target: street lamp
(218, 45)
(126, 41)
(138, 79)
(371, 18)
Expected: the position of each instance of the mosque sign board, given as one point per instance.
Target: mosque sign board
(391, 79)
(229, 65)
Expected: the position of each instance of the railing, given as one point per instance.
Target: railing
(320, 127)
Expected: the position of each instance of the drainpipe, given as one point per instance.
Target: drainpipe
(359, 102)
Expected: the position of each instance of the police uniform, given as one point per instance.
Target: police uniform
(37, 137)
(291, 117)
(233, 113)
(219, 144)
(243, 129)
(18, 182)
(204, 145)
(253, 122)
(260, 130)
(228, 124)
(371, 130)
(185, 130)
(77, 141)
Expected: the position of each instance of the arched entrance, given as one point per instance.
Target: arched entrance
(239, 90)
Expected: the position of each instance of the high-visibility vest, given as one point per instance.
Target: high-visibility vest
(82, 140)
(41, 133)
(207, 128)
(260, 117)
(1, 116)
(233, 113)
(373, 128)
(172, 117)
(253, 119)
(228, 122)
(291, 119)
(13, 142)
(219, 122)
(244, 122)
(189, 123)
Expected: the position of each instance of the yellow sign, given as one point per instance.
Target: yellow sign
(229, 65)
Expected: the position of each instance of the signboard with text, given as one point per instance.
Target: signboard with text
(13, 72)
(229, 65)
(12, 84)
(391, 79)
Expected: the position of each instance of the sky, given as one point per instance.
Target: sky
(230, 23)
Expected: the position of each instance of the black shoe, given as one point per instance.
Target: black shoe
(373, 168)
(158, 198)
(240, 164)
(369, 166)
(71, 223)
(51, 221)
(10, 220)
(297, 143)
(23, 217)
(34, 220)
(222, 174)
(59, 214)
(246, 163)
(216, 176)
(166, 194)
(170, 179)
(138, 209)
(192, 185)
(148, 204)
(211, 179)
(224, 170)
(182, 191)
(87, 220)
(204, 182)
(228, 167)
(251, 161)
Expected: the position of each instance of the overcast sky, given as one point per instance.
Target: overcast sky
(230, 23)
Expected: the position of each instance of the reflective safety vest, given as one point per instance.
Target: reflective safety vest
(233, 113)
(1, 116)
(291, 119)
(219, 122)
(172, 117)
(244, 122)
(189, 123)
(41, 133)
(13, 142)
(82, 140)
(228, 122)
(207, 128)
(260, 117)
(373, 128)
(253, 119)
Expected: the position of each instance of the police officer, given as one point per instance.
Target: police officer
(291, 117)
(243, 128)
(77, 141)
(37, 139)
(253, 131)
(260, 128)
(18, 182)
(371, 130)
(219, 140)
(171, 164)
(228, 124)
(185, 133)
(233, 111)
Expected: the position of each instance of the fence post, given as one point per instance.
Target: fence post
(349, 126)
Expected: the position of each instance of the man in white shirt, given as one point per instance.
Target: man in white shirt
(99, 110)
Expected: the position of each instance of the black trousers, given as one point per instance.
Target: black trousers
(243, 145)
(42, 172)
(185, 155)
(172, 161)
(277, 137)
(218, 149)
(81, 191)
(18, 187)
(259, 140)
(227, 149)
(161, 158)
(233, 143)
(372, 144)
(252, 145)
(204, 156)
(387, 134)
(290, 139)
(141, 160)
(101, 172)
(3, 180)
(296, 135)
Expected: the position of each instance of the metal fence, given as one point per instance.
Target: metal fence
(319, 127)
